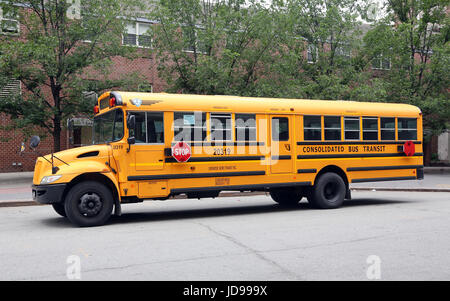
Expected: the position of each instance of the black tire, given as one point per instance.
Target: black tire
(328, 192)
(287, 197)
(59, 208)
(89, 204)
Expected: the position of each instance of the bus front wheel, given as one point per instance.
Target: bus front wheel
(286, 197)
(59, 208)
(89, 204)
(328, 192)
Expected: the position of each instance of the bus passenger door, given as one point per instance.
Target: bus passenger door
(147, 154)
(281, 144)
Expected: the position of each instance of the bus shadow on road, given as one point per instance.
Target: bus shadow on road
(168, 215)
(136, 217)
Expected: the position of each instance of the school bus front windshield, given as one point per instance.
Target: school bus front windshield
(108, 127)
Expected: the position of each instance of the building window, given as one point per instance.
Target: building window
(312, 53)
(332, 127)
(137, 34)
(312, 127)
(343, 51)
(189, 126)
(220, 127)
(381, 63)
(387, 128)
(370, 128)
(407, 128)
(146, 87)
(9, 20)
(245, 127)
(351, 128)
(280, 129)
(10, 88)
(192, 43)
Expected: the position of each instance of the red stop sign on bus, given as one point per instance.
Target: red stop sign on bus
(409, 148)
(181, 151)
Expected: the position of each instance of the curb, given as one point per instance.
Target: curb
(400, 189)
(16, 177)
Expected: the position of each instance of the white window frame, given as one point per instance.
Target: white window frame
(381, 59)
(309, 52)
(137, 23)
(9, 19)
(229, 120)
(356, 131)
(344, 51)
(196, 44)
(8, 88)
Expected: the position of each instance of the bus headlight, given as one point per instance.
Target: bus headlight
(50, 179)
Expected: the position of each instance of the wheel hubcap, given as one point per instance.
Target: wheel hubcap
(330, 190)
(90, 204)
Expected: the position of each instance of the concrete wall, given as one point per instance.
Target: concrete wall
(444, 146)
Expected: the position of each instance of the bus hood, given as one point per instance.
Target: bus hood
(79, 160)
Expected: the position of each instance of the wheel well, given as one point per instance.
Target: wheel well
(98, 177)
(335, 169)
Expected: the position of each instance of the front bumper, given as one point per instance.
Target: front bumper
(48, 194)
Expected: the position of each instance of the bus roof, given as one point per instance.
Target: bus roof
(237, 104)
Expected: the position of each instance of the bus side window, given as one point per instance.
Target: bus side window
(387, 127)
(189, 126)
(407, 128)
(370, 128)
(332, 127)
(155, 127)
(280, 129)
(245, 127)
(312, 126)
(351, 128)
(140, 130)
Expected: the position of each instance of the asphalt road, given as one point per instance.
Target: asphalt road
(232, 238)
(21, 191)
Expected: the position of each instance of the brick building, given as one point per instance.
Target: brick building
(77, 130)
(80, 133)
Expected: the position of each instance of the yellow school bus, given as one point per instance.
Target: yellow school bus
(150, 146)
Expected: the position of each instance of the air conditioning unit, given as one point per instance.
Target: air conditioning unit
(74, 10)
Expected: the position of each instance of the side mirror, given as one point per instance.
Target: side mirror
(131, 122)
(131, 140)
(34, 142)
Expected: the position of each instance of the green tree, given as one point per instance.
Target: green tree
(414, 36)
(63, 49)
(215, 47)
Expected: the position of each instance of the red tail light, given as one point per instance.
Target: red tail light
(112, 102)
(96, 110)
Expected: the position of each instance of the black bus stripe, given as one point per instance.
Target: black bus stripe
(239, 187)
(352, 142)
(382, 179)
(196, 175)
(312, 170)
(286, 157)
(224, 158)
(369, 168)
(225, 143)
(335, 156)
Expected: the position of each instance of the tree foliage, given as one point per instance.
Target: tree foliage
(62, 51)
(414, 36)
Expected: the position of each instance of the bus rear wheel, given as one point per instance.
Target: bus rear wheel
(89, 204)
(287, 197)
(328, 192)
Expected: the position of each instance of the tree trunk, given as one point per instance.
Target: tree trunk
(57, 134)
